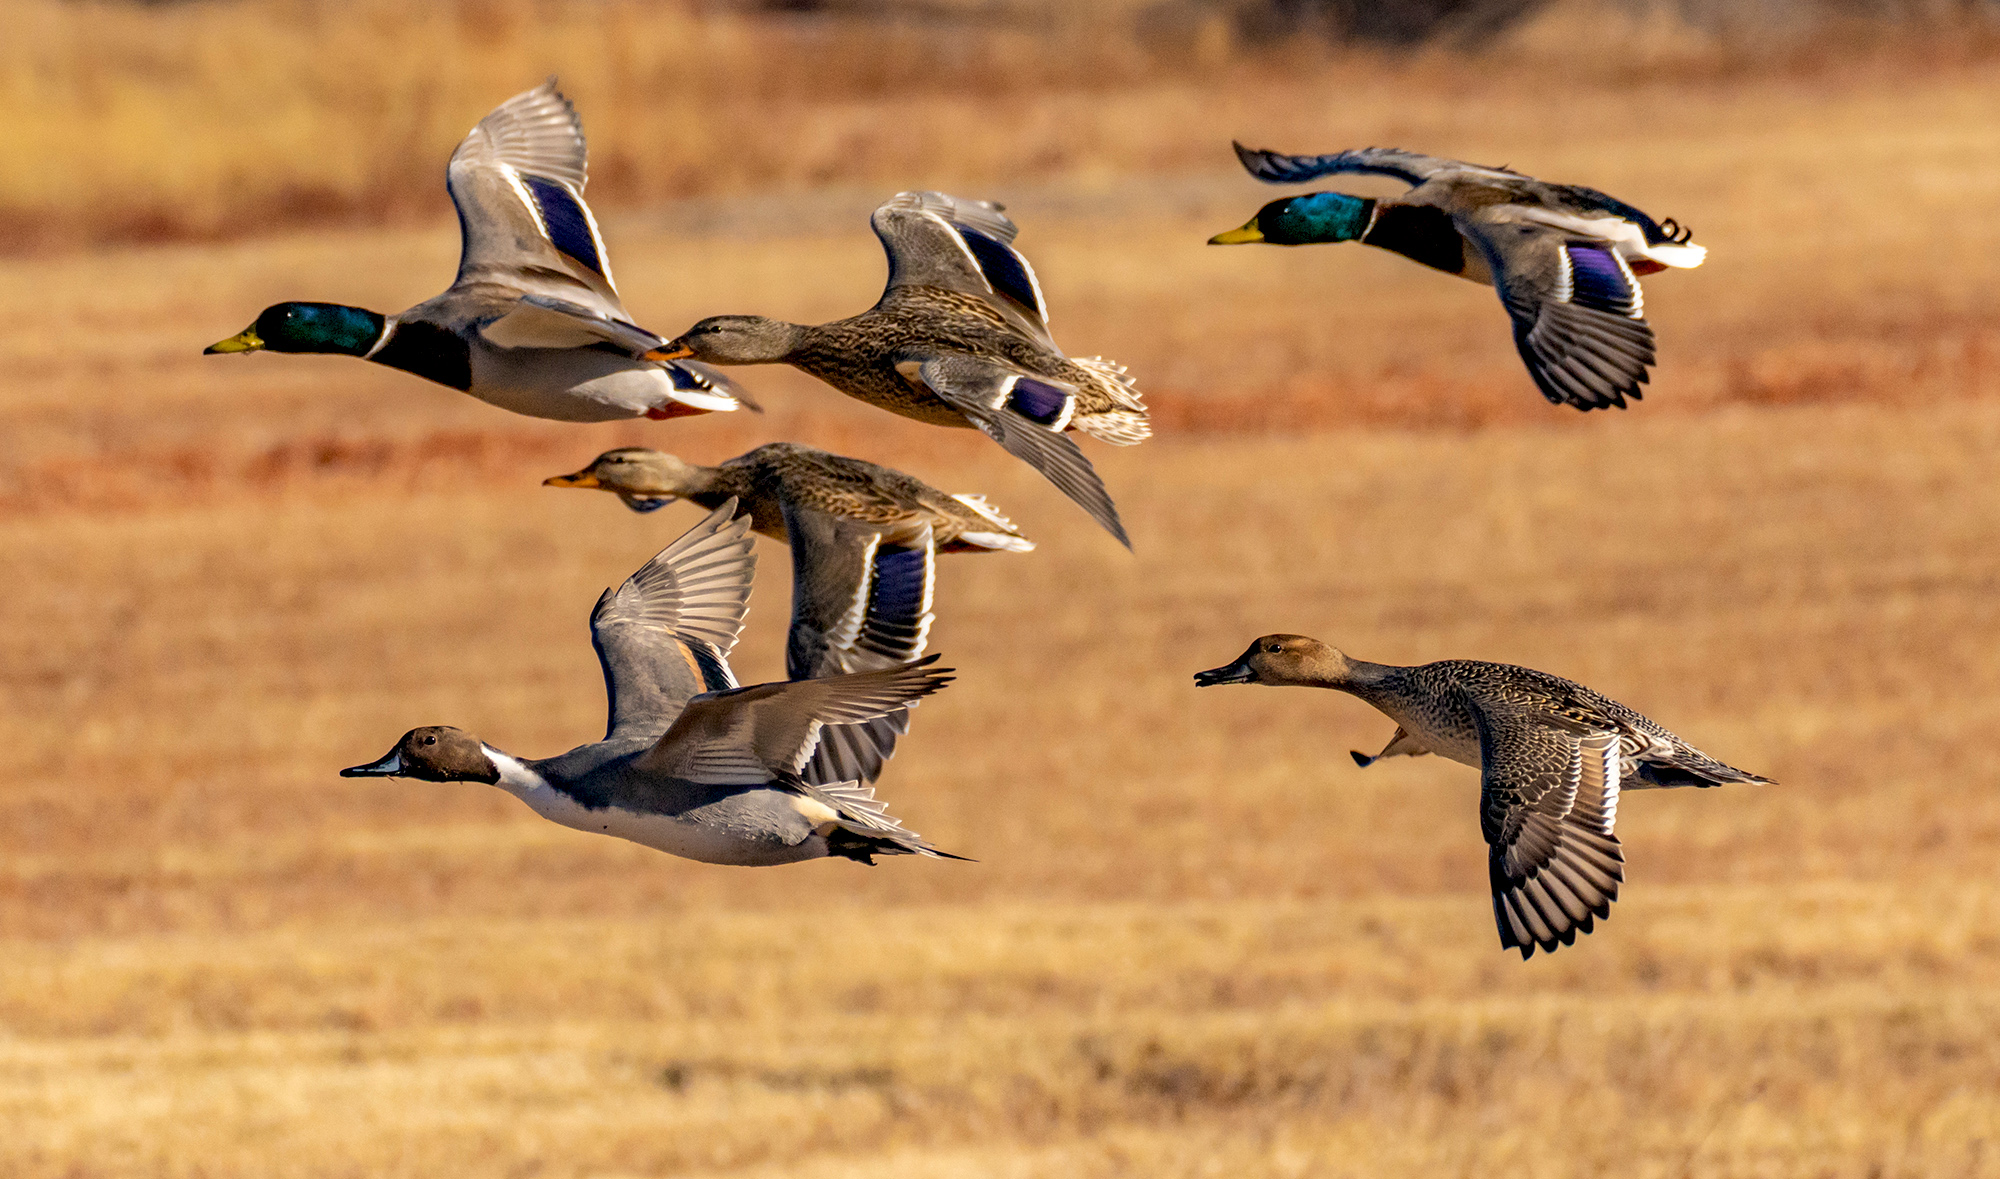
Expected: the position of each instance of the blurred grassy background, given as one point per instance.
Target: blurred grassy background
(222, 118)
(1197, 941)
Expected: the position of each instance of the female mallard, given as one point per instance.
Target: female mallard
(1564, 259)
(1553, 756)
(862, 540)
(776, 474)
(533, 322)
(959, 338)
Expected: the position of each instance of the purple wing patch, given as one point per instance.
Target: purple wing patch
(896, 603)
(1597, 280)
(568, 224)
(1004, 269)
(1038, 402)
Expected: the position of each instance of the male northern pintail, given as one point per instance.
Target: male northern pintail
(1553, 756)
(1565, 259)
(691, 763)
(862, 539)
(533, 322)
(960, 337)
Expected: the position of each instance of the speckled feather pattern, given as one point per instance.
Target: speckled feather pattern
(859, 355)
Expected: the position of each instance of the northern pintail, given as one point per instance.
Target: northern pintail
(1553, 757)
(1565, 259)
(960, 337)
(533, 322)
(690, 763)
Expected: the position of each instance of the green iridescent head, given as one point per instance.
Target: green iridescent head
(1304, 221)
(307, 327)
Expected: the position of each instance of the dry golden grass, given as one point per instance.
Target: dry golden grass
(228, 118)
(1197, 941)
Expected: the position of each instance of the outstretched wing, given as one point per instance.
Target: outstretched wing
(1408, 166)
(1548, 801)
(1026, 416)
(665, 635)
(517, 179)
(937, 240)
(1579, 316)
(861, 595)
(749, 736)
(861, 599)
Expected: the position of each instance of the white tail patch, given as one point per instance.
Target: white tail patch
(999, 541)
(1685, 256)
(984, 510)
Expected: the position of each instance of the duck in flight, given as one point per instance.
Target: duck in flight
(1553, 758)
(960, 337)
(1566, 260)
(863, 539)
(533, 322)
(690, 763)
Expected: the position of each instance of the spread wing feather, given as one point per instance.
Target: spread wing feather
(861, 599)
(1548, 801)
(1577, 309)
(1407, 166)
(517, 181)
(934, 239)
(1025, 415)
(665, 635)
(766, 733)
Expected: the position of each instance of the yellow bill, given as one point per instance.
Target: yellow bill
(580, 479)
(1236, 237)
(246, 340)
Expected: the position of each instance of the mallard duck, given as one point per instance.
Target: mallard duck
(690, 763)
(765, 479)
(1564, 259)
(533, 322)
(1553, 757)
(959, 338)
(862, 540)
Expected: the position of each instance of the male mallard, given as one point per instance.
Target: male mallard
(780, 473)
(533, 322)
(862, 540)
(1552, 754)
(690, 763)
(959, 338)
(1564, 258)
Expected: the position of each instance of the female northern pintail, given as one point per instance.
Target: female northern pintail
(1565, 259)
(533, 322)
(863, 539)
(960, 337)
(1553, 756)
(691, 763)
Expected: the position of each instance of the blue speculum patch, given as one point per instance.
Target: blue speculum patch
(1037, 401)
(1004, 269)
(1596, 280)
(897, 598)
(568, 224)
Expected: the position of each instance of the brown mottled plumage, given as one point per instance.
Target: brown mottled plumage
(765, 479)
(1553, 756)
(960, 337)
